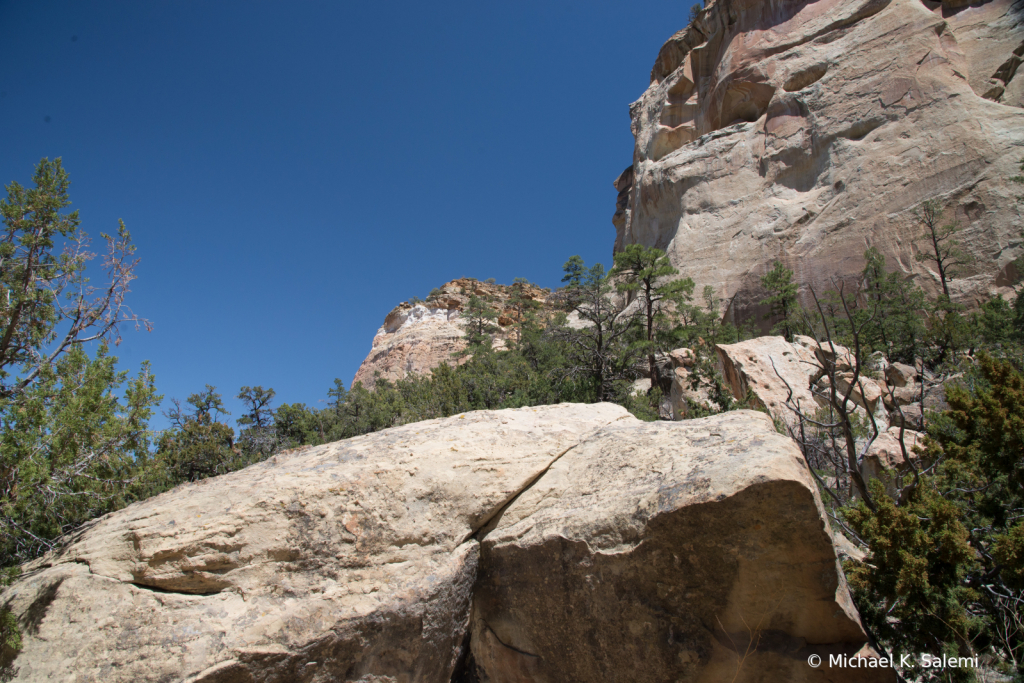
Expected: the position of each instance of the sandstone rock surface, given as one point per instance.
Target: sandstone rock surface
(612, 549)
(808, 131)
(765, 366)
(884, 459)
(666, 551)
(353, 561)
(417, 337)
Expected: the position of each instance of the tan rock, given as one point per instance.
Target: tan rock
(901, 374)
(909, 416)
(902, 396)
(806, 131)
(682, 358)
(884, 459)
(417, 337)
(694, 551)
(765, 366)
(865, 392)
(349, 561)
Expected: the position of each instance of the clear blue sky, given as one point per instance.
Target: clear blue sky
(291, 171)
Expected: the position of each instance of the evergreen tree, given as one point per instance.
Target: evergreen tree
(479, 317)
(71, 446)
(257, 439)
(642, 273)
(781, 299)
(598, 350)
(893, 308)
(198, 445)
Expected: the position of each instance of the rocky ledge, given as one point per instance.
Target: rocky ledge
(559, 543)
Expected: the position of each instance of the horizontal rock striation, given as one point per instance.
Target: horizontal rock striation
(809, 131)
(559, 543)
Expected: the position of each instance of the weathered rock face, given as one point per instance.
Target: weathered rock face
(771, 367)
(345, 562)
(807, 131)
(612, 549)
(417, 337)
(884, 459)
(661, 552)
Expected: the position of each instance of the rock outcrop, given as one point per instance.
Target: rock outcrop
(569, 543)
(808, 131)
(690, 551)
(417, 337)
(344, 562)
(774, 372)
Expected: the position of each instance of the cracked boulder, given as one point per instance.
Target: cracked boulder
(352, 561)
(652, 552)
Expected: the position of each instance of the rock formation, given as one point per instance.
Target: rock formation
(563, 543)
(417, 337)
(808, 131)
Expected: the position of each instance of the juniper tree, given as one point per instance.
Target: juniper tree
(72, 443)
(198, 445)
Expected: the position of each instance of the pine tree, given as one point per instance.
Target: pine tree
(642, 272)
(781, 299)
(598, 349)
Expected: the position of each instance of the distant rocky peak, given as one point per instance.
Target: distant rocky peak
(418, 335)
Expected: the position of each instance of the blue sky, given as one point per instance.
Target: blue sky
(291, 171)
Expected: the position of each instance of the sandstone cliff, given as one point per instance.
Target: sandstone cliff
(417, 337)
(559, 543)
(808, 131)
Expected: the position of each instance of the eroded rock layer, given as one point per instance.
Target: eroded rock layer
(809, 131)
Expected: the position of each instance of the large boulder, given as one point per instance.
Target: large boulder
(612, 549)
(349, 561)
(806, 131)
(679, 551)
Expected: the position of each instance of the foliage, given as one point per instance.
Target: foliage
(480, 325)
(197, 446)
(74, 427)
(642, 273)
(47, 305)
(947, 561)
(891, 311)
(258, 439)
(781, 300)
(601, 349)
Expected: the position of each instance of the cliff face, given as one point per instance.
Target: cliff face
(809, 131)
(417, 337)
